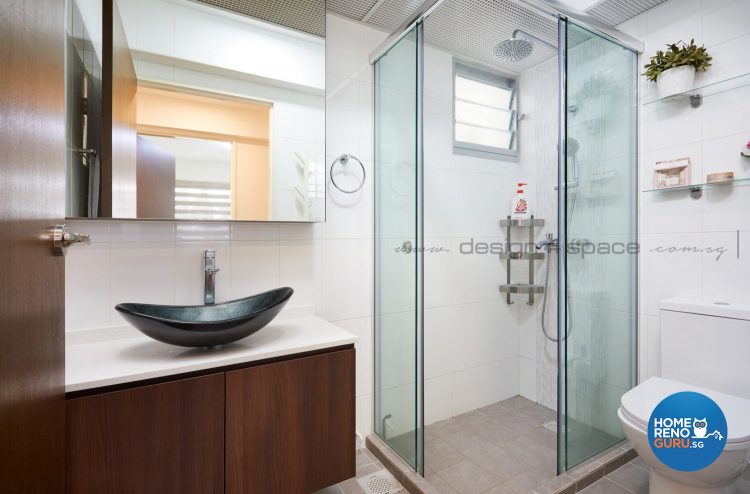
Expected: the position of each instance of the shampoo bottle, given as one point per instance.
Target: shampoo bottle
(520, 207)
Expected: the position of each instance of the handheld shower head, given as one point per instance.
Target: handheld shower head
(573, 146)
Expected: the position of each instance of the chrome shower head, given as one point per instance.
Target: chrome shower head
(513, 49)
(519, 46)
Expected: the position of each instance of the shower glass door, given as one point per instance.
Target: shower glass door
(398, 280)
(599, 306)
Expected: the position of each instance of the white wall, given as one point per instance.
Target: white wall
(347, 235)
(328, 264)
(711, 136)
(471, 333)
(538, 101)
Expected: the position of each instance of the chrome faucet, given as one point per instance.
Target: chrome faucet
(209, 276)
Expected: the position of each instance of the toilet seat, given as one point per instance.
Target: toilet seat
(638, 404)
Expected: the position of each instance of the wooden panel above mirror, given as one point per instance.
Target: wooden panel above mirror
(197, 112)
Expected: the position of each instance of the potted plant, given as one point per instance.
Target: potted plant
(674, 70)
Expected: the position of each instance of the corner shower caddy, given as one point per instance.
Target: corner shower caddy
(528, 254)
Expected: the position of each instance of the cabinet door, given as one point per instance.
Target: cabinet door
(290, 425)
(164, 438)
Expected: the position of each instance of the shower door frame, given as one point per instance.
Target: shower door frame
(637, 47)
(564, 15)
(415, 25)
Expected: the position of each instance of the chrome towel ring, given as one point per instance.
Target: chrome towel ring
(344, 160)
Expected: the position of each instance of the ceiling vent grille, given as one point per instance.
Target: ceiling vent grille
(307, 16)
(353, 9)
(614, 12)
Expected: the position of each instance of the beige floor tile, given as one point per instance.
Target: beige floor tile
(467, 478)
(631, 477)
(530, 479)
(439, 454)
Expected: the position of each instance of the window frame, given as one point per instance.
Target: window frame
(497, 79)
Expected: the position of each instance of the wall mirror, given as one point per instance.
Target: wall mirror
(195, 110)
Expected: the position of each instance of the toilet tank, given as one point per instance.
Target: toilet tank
(706, 344)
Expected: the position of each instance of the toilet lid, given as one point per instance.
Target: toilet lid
(640, 402)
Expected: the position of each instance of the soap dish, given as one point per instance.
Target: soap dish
(715, 178)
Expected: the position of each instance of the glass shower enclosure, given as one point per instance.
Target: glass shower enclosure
(596, 206)
(398, 262)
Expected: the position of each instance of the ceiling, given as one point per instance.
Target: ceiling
(468, 28)
(307, 16)
(471, 28)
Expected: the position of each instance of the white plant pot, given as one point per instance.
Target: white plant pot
(675, 81)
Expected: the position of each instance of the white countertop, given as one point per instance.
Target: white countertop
(125, 355)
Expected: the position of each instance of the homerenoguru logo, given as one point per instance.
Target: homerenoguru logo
(687, 431)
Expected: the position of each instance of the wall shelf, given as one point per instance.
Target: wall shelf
(528, 253)
(522, 256)
(521, 288)
(695, 96)
(696, 190)
(526, 222)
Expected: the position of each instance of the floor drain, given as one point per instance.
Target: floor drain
(551, 425)
(380, 482)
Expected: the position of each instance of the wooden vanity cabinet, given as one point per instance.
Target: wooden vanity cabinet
(161, 438)
(284, 427)
(290, 425)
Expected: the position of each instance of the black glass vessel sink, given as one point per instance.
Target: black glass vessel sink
(206, 326)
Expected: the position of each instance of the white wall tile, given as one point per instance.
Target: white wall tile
(726, 113)
(724, 20)
(299, 231)
(342, 115)
(362, 327)
(712, 136)
(346, 281)
(342, 47)
(674, 263)
(87, 283)
(369, 40)
(364, 415)
(437, 399)
(189, 271)
(643, 345)
(141, 272)
(726, 270)
(727, 59)
(441, 328)
(254, 267)
(255, 231)
(141, 231)
(653, 350)
(673, 21)
(297, 268)
(349, 215)
(527, 378)
(204, 231)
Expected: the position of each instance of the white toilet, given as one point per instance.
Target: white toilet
(705, 347)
